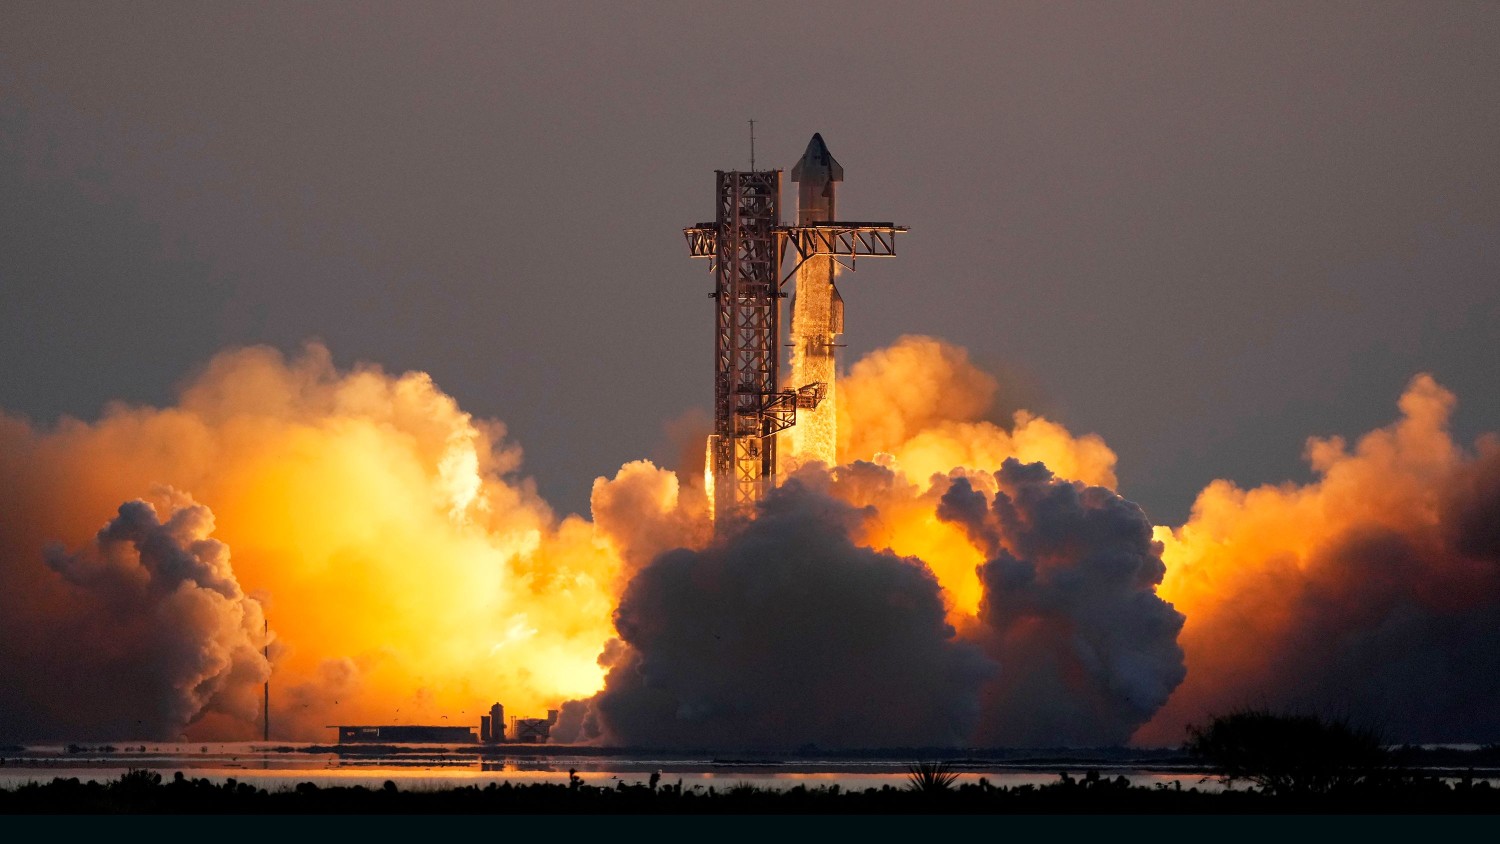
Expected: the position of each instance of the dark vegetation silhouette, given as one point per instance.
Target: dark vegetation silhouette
(930, 777)
(145, 792)
(1291, 754)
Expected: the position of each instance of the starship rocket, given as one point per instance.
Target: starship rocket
(817, 309)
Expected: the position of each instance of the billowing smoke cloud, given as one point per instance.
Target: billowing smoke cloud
(785, 635)
(920, 409)
(790, 632)
(920, 406)
(1371, 593)
(643, 511)
(853, 611)
(1070, 610)
(159, 634)
(409, 575)
(954, 581)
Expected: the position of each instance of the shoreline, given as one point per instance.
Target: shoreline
(148, 792)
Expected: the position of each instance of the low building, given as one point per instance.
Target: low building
(533, 729)
(404, 734)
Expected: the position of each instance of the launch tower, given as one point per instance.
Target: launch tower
(747, 242)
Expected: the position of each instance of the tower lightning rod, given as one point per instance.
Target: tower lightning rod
(752, 145)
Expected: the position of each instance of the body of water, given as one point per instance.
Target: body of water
(278, 766)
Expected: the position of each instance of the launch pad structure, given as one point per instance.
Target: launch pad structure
(747, 244)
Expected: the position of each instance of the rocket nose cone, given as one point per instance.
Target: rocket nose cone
(817, 163)
(816, 149)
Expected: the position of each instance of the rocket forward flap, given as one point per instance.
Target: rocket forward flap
(835, 312)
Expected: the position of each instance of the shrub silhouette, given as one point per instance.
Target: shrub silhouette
(930, 777)
(1289, 754)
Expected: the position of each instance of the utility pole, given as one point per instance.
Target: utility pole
(265, 645)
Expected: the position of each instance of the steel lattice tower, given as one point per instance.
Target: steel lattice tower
(746, 242)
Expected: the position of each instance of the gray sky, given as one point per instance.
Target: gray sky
(1201, 230)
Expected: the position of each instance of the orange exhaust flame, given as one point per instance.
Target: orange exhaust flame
(407, 574)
